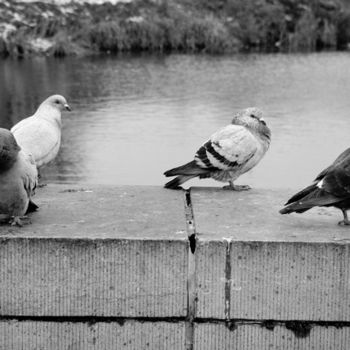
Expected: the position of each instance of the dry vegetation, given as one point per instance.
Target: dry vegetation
(215, 26)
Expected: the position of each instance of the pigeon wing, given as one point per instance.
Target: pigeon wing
(337, 179)
(29, 173)
(227, 149)
(38, 137)
(343, 156)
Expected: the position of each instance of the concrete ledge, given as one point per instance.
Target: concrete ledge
(49, 268)
(188, 270)
(90, 212)
(253, 263)
(253, 216)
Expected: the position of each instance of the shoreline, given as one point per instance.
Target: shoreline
(83, 29)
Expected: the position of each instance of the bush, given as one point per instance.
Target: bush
(215, 26)
(343, 30)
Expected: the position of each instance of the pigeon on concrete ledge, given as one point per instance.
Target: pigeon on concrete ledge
(229, 153)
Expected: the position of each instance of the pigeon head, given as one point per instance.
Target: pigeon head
(8, 149)
(252, 118)
(58, 102)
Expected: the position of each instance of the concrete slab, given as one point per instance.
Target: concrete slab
(253, 216)
(290, 281)
(105, 277)
(278, 267)
(105, 212)
(211, 279)
(254, 337)
(130, 335)
(97, 251)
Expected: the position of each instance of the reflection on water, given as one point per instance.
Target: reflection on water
(135, 117)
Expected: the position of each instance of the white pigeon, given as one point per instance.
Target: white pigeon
(40, 134)
(18, 180)
(229, 153)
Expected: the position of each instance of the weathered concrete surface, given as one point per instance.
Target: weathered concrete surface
(75, 260)
(123, 252)
(144, 212)
(273, 280)
(253, 216)
(131, 335)
(290, 281)
(124, 278)
(254, 337)
(211, 279)
(254, 263)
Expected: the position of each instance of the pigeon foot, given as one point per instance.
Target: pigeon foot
(20, 221)
(344, 223)
(237, 187)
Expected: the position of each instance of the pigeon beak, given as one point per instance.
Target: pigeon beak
(66, 106)
(262, 120)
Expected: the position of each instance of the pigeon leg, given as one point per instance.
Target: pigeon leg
(346, 221)
(40, 184)
(20, 221)
(234, 187)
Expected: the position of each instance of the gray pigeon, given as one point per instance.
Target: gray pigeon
(18, 180)
(331, 188)
(229, 153)
(40, 134)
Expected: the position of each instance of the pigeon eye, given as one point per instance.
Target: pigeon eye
(57, 102)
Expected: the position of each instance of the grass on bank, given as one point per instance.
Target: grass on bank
(216, 26)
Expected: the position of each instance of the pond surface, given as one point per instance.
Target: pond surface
(135, 117)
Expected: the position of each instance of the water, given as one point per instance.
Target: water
(135, 117)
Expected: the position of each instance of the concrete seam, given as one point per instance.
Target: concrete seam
(228, 267)
(121, 320)
(269, 324)
(191, 273)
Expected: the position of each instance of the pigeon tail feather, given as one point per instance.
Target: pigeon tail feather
(301, 194)
(31, 207)
(314, 197)
(179, 180)
(190, 168)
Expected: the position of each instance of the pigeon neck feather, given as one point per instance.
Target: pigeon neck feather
(260, 130)
(49, 113)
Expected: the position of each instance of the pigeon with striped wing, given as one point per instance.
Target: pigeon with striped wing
(229, 153)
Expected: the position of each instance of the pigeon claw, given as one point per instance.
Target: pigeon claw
(20, 221)
(344, 223)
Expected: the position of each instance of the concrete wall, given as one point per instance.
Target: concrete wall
(144, 267)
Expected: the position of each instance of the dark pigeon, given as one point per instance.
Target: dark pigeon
(331, 188)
